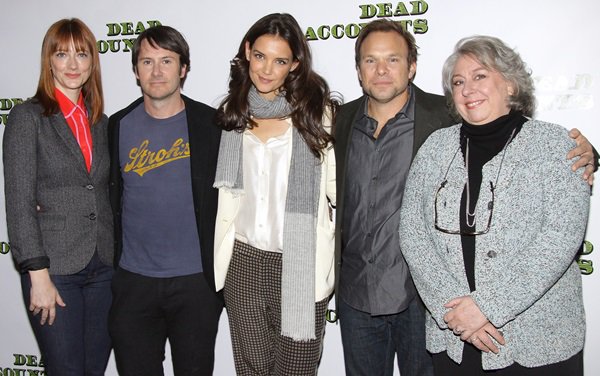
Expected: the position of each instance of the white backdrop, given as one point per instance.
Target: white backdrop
(557, 39)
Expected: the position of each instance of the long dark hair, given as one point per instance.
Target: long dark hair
(306, 91)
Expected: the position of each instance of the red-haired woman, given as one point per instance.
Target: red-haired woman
(58, 214)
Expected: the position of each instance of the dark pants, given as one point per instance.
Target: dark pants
(253, 300)
(77, 343)
(147, 311)
(371, 342)
(471, 365)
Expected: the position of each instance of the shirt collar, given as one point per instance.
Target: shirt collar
(367, 124)
(407, 110)
(66, 106)
(284, 137)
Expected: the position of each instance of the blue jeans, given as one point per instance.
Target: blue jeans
(371, 342)
(77, 343)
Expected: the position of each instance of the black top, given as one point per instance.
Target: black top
(485, 142)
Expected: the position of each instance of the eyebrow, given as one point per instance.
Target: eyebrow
(481, 67)
(474, 70)
(278, 58)
(161, 57)
(386, 56)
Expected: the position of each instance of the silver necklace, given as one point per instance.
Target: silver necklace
(468, 214)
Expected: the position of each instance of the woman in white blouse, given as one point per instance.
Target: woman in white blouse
(274, 244)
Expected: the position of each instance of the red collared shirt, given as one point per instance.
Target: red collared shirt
(77, 117)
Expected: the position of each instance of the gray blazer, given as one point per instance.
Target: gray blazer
(54, 208)
(528, 283)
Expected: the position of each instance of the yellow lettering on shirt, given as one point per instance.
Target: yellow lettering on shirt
(142, 160)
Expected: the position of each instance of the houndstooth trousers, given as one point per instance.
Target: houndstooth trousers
(253, 301)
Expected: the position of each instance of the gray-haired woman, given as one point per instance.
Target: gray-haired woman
(492, 219)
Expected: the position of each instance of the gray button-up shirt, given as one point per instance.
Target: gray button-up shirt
(374, 276)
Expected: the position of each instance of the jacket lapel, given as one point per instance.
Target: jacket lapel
(425, 120)
(96, 155)
(198, 155)
(64, 131)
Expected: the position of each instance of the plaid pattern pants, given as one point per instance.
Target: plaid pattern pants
(253, 302)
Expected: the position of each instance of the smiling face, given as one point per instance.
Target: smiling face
(270, 62)
(480, 94)
(70, 69)
(383, 68)
(159, 72)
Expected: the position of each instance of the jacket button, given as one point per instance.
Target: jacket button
(89, 187)
(92, 216)
(491, 254)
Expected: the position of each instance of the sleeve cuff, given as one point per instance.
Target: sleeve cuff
(36, 263)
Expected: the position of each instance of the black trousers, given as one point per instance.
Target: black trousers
(147, 311)
(471, 365)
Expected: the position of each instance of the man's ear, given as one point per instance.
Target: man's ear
(412, 70)
(183, 71)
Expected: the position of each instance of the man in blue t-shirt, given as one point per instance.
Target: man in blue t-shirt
(164, 149)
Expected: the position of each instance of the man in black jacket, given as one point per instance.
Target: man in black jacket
(164, 149)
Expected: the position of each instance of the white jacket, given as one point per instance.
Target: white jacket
(324, 273)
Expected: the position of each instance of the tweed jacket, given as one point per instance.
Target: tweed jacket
(54, 207)
(324, 273)
(204, 137)
(431, 113)
(527, 282)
